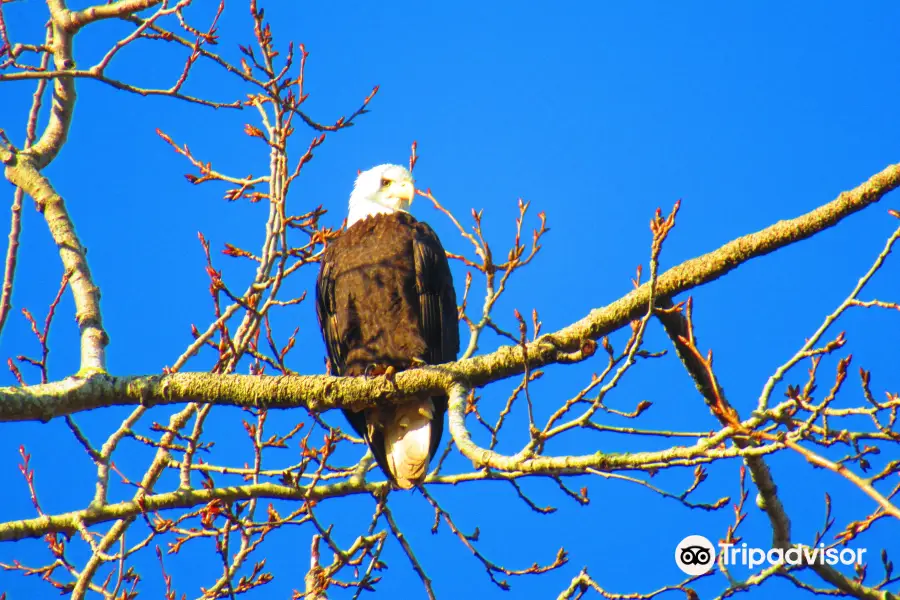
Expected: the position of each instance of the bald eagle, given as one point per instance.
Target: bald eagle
(385, 302)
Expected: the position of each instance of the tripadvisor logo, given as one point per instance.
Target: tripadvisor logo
(696, 555)
(797, 555)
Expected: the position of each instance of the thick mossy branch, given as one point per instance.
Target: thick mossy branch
(317, 393)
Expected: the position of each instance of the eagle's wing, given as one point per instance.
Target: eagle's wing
(333, 333)
(325, 310)
(438, 315)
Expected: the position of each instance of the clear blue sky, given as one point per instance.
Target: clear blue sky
(750, 113)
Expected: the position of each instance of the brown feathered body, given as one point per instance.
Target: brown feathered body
(385, 299)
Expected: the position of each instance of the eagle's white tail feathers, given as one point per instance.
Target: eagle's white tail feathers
(407, 441)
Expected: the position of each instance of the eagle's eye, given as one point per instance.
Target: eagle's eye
(385, 182)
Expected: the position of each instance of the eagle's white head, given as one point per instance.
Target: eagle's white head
(381, 190)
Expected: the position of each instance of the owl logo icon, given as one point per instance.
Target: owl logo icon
(695, 555)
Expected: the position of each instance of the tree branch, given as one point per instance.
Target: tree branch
(317, 393)
(22, 171)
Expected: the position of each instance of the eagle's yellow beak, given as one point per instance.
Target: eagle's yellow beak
(404, 190)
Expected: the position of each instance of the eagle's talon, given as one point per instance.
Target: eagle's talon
(372, 371)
